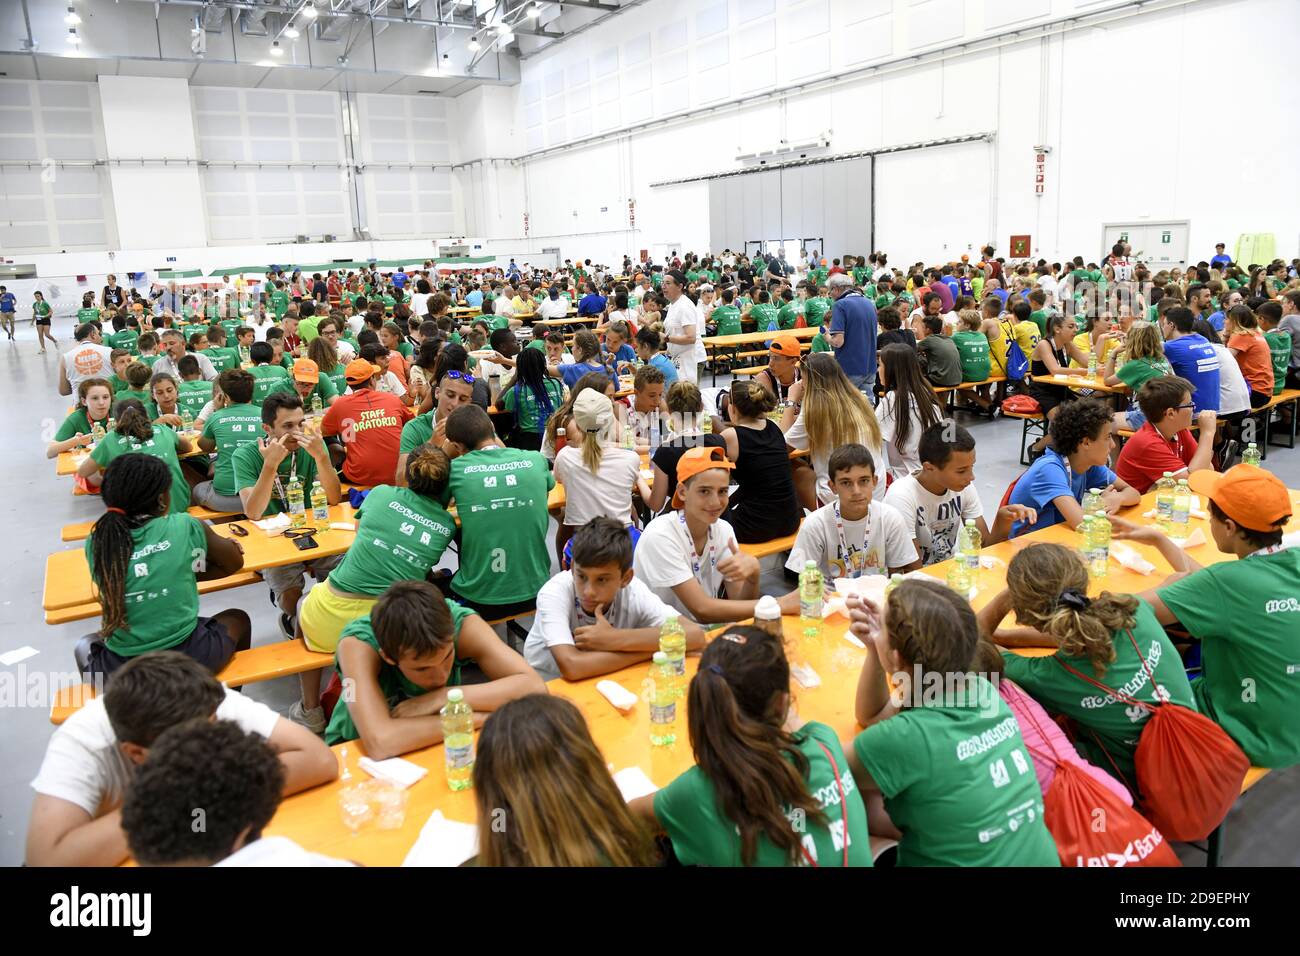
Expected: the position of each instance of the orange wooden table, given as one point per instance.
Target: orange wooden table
(1078, 382)
(69, 461)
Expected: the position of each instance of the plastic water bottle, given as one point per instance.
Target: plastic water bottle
(894, 581)
(1165, 501)
(629, 435)
(1181, 516)
(968, 547)
(316, 405)
(812, 590)
(1099, 546)
(706, 423)
(767, 616)
(320, 506)
(458, 740)
(672, 644)
(97, 432)
(1251, 455)
(663, 702)
(1092, 365)
(187, 419)
(1093, 504)
(297, 511)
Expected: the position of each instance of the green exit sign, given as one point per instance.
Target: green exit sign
(1166, 237)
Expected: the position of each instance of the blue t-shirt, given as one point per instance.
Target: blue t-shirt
(665, 365)
(1048, 479)
(855, 315)
(474, 299)
(591, 304)
(1216, 320)
(953, 284)
(1220, 260)
(8, 303)
(1002, 294)
(571, 373)
(399, 279)
(1194, 359)
(625, 353)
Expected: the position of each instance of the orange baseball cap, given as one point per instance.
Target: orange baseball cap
(1252, 497)
(305, 370)
(359, 371)
(786, 345)
(696, 460)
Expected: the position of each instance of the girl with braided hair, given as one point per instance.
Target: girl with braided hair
(145, 562)
(1114, 639)
(135, 433)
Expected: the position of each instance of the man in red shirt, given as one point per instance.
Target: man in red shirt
(1165, 443)
(370, 422)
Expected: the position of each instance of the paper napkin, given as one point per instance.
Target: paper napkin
(619, 696)
(443, 842)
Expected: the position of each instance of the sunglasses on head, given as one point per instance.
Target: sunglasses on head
(461, 377)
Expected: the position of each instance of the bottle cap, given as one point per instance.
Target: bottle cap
(970, 522)
(455, 695)
(660, 657)
(810, 565)
(767, 608)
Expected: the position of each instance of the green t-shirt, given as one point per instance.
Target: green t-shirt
(764, 316)
(815, 309)
(819, 344)
(196, 328)
(788, 315)
(126, 339)
(1116, 725)
(1137, 372)
(1279, 347)
(1039, 318)
(500, 496)
(279, 300)
(268, 378)
(728, 319)
(417, 431)
(247, 464)
(117, 384)
(959, 784)
(87, 315)
(400, 537)
(193, 396)
(819, 275)
(163, 446)
(702, 836)
(337, 378)
(973, 347)
(523, 402)
(142, 396)
(230, 325)
(162, 595)
(324, 388)
(309, 328)
(1247, 616)
(392, 682)
(406, 349)
(885, 299)
(149, 360)
(42, 309)
(77, 423)
(222, 357)
(231, 428)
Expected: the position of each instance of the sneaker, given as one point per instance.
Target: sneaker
(287, 625)
(313, 720)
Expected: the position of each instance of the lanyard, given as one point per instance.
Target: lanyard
(279, 486)
(844, 808)
(696, 563)
(1271, 549)
(849, 570)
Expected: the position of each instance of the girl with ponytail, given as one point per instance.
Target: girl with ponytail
(533, 399)
(145, 562)
(767, 789)
(135, 433)
(941, 746)
(1114, 639)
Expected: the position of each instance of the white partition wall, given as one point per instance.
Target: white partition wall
(410, 197)
(44, 205)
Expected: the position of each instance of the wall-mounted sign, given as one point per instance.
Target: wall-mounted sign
(1040, 173)
(1166, 237)
(1019, 247)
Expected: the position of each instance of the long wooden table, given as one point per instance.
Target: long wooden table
(69, 461)
(1080, 383)
(728, 347)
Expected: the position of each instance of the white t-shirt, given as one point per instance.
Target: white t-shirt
(278, 851)
(388, 382)
(502, 306)
(662, 559)
(1234, 393)
(84, 765)
(419, 304)
(871, 545)
(553, 308)
(681, 314)
(934, 520)
(1048, 284)
(87, 360)
(902, 461)
(356, 323)
(607, 493)
(797, 437)
(559, 614)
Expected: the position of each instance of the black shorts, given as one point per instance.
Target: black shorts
(525, 441)
(42, 320)
(494, 612)
(1259, 399)
(1050, 396)
(208, 643)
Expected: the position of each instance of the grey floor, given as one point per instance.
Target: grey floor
(1264, 828)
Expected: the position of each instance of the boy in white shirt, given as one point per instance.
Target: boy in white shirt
(598, 618)
(848, 537)
(158, 814)
(937, 500)
(76, 818)
(687, 556)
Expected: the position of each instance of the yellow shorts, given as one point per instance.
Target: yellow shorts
(324, 614)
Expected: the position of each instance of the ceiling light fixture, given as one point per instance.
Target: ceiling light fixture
(474, 45)
(72, 19)
(72, 36)
(276, 49)
(506, 37)
(308, 11)
(534, 11)
(291, 32)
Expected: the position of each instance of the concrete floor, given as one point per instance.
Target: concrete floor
(1264, 828)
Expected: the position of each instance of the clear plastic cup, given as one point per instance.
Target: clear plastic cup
(355, 806)
(389, 802)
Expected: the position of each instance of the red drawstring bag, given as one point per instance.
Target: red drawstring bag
(1189, 771)
(1092, 826)
(800, 322)
(1022, 405)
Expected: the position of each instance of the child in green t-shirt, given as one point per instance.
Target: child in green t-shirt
(810, 810)
(137, 377)
(1279, 346)
(403, 657)
(119, 359)
(941, 748)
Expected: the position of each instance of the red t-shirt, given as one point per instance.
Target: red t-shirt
(371, 425)
(1147, 456)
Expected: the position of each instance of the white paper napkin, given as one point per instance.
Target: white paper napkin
(806, 676)
(443, 842)
(632, 783)
(619, 696)
(21, 654)
(1197, 537)
(276, 524)
(343, 525)
(395, 770)
(1130, 559)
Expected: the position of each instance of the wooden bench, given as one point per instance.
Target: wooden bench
(1032, 426)
(1214, 846)
(1288, 396)
(82, 612)
(971, 387)
(267, 662)
(763, 549)
(81, 530)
